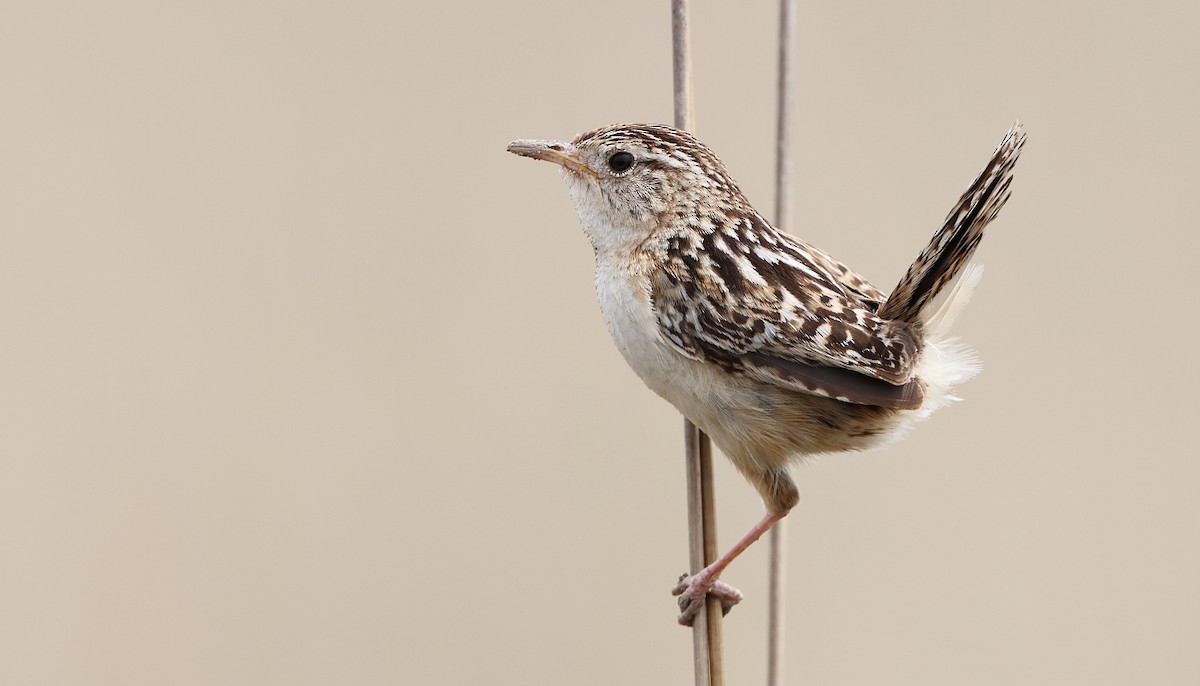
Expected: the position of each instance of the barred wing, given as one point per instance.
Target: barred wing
(760, 303)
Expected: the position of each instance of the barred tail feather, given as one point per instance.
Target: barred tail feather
(946, 361)
(937, 324)
(960, 234)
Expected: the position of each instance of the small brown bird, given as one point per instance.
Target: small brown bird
(772, 347)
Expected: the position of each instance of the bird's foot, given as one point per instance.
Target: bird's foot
(692, 591)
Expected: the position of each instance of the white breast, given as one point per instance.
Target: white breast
(624, 296)
(701, 392)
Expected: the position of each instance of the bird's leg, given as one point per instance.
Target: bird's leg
(693, 589)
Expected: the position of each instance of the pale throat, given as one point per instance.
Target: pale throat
(611, 228)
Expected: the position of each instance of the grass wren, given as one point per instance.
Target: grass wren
(769, 345)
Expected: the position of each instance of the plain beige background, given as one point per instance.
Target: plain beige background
(302, 380)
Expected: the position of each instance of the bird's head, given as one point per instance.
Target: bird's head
(632, 180)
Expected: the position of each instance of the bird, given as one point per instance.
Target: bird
(769, 345)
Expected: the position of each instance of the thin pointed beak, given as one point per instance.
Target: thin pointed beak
(557, 152)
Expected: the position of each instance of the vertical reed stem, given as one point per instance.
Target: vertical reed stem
(708, 656)
(783, 221)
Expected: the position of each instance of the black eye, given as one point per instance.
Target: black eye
(620, 161)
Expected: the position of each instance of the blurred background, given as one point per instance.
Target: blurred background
(302, 378)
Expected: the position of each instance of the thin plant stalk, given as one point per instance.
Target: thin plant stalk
(707, 653)
(777, 576)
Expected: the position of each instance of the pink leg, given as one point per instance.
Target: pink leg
(693, 589)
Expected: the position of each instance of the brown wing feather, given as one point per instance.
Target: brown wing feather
(834, 382)
(761, 303)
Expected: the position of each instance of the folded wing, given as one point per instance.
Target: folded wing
(763, 304)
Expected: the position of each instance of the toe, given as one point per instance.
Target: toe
(726, 592)
(690, 607)
(682, 584)
(693, 593)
